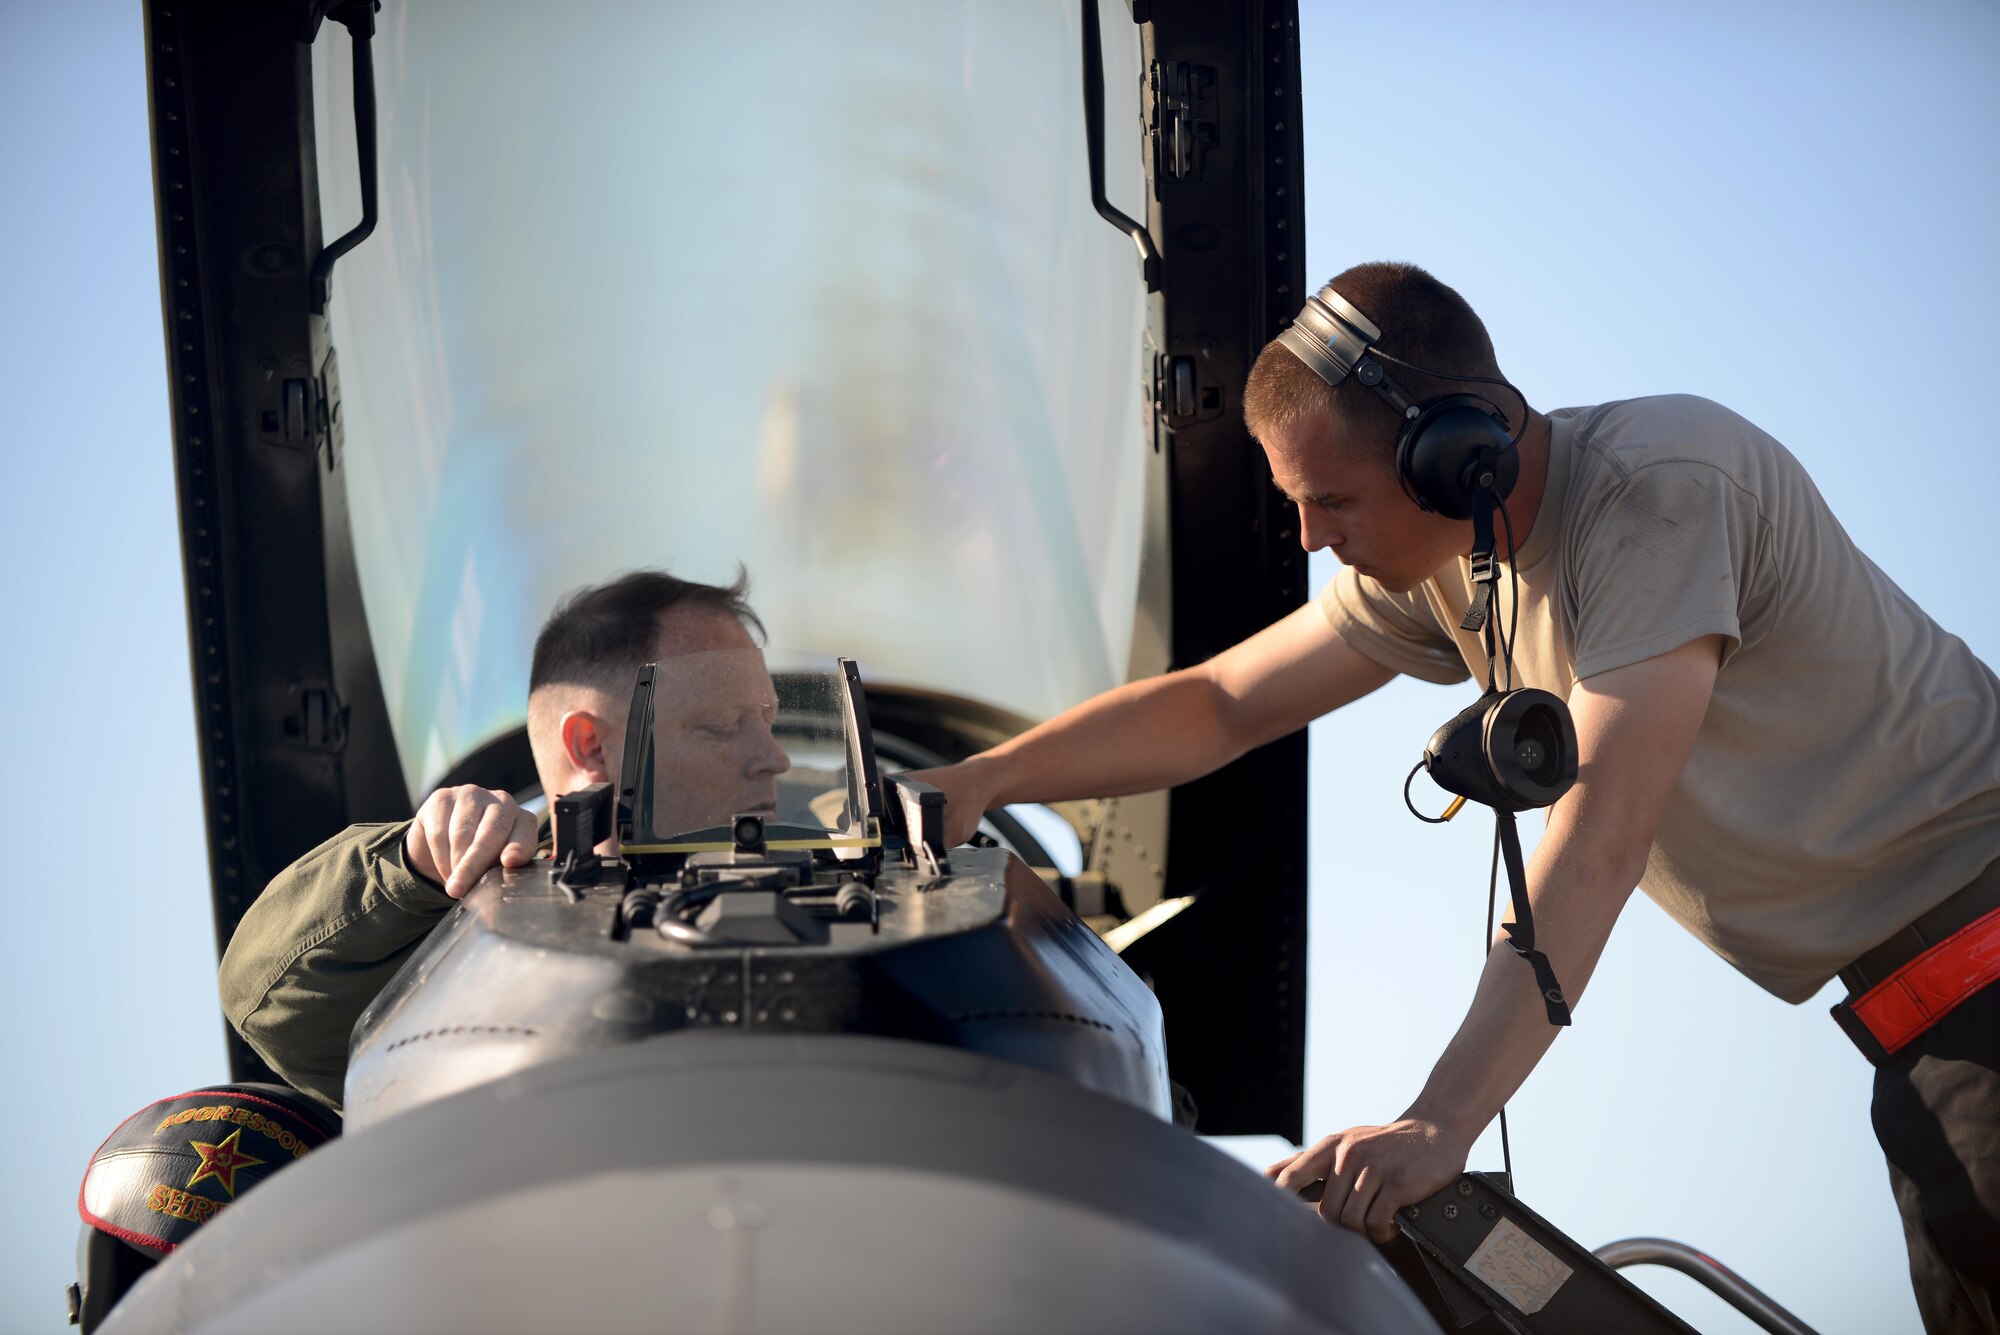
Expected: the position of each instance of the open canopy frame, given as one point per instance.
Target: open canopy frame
(295, 736)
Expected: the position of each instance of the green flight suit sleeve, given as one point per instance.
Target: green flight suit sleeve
(318, 945)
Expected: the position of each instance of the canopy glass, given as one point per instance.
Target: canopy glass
(817, 289)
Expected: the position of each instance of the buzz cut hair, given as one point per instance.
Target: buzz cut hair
(602, 634)
(1421, 320)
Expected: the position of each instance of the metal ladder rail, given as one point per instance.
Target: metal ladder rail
(1710, 1273)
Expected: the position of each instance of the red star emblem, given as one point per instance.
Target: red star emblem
(221, 1161)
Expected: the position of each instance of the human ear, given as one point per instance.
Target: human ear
(582, 734)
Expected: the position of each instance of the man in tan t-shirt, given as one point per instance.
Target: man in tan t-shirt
(1775, 743)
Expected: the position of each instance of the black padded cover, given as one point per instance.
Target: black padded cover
(174, 1164)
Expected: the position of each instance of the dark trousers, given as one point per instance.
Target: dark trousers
(1937, 1116)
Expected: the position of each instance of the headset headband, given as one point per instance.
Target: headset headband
(1330, 335)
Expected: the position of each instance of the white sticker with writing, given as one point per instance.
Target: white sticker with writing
(1518, 1268)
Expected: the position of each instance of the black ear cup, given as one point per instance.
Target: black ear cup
(1511, 750)
(1455, 453)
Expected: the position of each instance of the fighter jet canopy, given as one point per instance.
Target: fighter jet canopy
(688, 289)
(818, 292)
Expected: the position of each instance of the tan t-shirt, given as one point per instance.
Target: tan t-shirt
(1847, 774)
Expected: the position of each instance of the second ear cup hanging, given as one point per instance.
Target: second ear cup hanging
(1510, 750)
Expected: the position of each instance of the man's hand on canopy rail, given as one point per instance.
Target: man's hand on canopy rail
(462, 833)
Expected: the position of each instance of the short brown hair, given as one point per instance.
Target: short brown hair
(1421, 320)
(606, 632)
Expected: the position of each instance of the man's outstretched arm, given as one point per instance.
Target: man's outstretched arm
(1169, 729)
(1635, 728)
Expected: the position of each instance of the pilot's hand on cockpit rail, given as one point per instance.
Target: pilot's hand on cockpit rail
(462, 833)
(1370, 1172)
(966, 798)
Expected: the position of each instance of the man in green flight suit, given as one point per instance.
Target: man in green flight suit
(331, 930)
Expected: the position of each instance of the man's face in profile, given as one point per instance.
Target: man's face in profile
(1350, 502)
(713, 707)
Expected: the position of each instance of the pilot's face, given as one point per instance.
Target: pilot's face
(1351, 504)
(713, 707)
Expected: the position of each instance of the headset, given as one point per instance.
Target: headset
(1511, 750)
(1454, 455)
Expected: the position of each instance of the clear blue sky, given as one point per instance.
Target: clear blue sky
(1786, 207)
